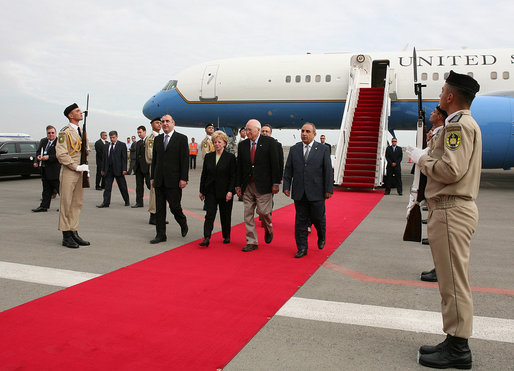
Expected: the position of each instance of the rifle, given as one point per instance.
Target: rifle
(417, 193)
(83, 149)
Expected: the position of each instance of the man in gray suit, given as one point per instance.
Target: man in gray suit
(309, 172)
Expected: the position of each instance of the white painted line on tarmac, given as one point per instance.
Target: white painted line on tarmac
(487, 328)
(43, 275)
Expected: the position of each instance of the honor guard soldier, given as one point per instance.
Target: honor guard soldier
(156, 128)
(206, 146)
(67, 151)
(452, 166)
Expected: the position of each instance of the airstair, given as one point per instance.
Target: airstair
(360, 153)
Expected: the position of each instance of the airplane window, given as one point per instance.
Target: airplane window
(288, 78)
(172, 84)
(318, 78)
(470, 74)
(424, 76)
(308, 78)
(506, 75)
(494, 75)
(435, 76)
(328, 78)
(298, 78)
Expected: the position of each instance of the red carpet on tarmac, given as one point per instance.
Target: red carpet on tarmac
(190, 308)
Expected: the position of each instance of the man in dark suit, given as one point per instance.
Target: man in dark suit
(169, 175)
(141, 168)
(309, 173)
(99, 150)
(323, 141)
(258, 177)
(49, 166)
(394, 155)
(132, 156)
(114, 167)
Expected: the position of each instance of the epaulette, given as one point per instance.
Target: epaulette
(456, 118)
(64, 128)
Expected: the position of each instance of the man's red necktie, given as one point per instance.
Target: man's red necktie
(252, 152)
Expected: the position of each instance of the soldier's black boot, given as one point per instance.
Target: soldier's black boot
(455, 353)
(68, 241)
(429, 349)
(78, 239)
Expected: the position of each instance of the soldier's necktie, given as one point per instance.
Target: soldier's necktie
(166, 140)
(252, 152)
(80, 134)
(306, 154)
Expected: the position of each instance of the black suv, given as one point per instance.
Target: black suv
(17, 157)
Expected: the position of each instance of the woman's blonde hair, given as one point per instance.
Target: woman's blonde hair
(220, 135)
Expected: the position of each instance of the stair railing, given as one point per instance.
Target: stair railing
(346, 124)
(382, 142)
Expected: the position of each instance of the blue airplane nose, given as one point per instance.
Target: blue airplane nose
(149, 108)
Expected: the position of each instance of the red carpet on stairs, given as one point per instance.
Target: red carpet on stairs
(190, 308)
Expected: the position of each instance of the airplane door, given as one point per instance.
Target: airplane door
(209, 83)
(378, 73)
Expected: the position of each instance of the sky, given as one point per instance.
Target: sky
(53, 53)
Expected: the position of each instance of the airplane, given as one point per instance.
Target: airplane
(287, 91)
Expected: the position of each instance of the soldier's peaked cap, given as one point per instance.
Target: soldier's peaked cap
(464, 82)
(70, 108)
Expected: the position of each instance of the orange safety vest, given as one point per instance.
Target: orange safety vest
(193, 148)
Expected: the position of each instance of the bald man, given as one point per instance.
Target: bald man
(258, 178)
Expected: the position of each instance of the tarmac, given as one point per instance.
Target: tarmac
(361, 310)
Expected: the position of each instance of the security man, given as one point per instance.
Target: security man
(67, 151)
(453, 169)
(156, 128)
(193, 151)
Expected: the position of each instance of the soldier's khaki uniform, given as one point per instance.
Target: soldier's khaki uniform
(148, 157)
(67, 150)
(206, 146)
(453, 169)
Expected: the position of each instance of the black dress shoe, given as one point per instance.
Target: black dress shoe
(387, 193)
(98, 188)
(78, 239)
(454, 354)
(424, 241)
(321, 244)
(68, 241)
(136, 205)
(183, 230)
(127, 203)
(226, 240)
(158, 239)
(268, 237)
(101, 206)
(250, 248)
(301, 253)
(153, 219)
(429, 277)
(40, 209)
(205, 242)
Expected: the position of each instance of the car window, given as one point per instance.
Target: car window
(28, 147)
(10, 147)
